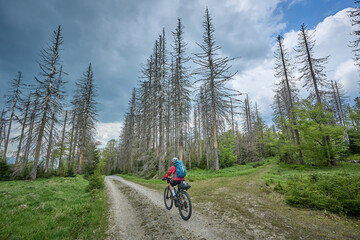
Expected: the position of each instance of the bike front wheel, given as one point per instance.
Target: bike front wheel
(185, 208)
(167, 198)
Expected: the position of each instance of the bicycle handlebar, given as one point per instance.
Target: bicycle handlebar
(167, 179)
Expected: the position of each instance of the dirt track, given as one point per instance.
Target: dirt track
(137, 212)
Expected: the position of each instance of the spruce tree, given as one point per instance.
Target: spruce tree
(49, 66)
(213, 72)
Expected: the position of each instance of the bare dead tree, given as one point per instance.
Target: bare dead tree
(181, 86)
(259, 130)
(85, 105)
(355, 44)
(284, 71)
(2, 127)
(49, 69)
(11, 101)
(23, 122)
(213, 70)
(53, 120)
(62, 144)
(71, 143)
(250, 131)
(314, 76)
(206, 125)
(312, 70)
(162, 97)
(338, 100)
(30, 136)
(73, 155)
(128, 135)
(169, 113)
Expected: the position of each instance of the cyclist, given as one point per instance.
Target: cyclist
(175, 180)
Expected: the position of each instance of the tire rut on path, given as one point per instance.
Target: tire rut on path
(151, 220)
(122, 216)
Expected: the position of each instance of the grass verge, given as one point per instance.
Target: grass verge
(235, 171)
(55, 208)
(200, 174)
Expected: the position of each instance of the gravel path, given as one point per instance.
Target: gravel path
(137, 212)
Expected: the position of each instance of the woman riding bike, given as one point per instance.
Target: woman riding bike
(175, 180)
(177, 195)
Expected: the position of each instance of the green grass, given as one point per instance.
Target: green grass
(280, 173)
(235, 171)
(334, 189)
(199, 174)
(55, 208)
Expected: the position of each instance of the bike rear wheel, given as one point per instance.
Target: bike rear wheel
(167, 200)
(185, 208)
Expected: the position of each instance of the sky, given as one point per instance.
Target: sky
(117, 37)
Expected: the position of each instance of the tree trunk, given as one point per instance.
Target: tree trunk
(214, 129)
(22, 132)
(39, 140)
(75, 146)
(311, 66)
(341, 115)
(50, 145)
(62, 144)
(2, 127)
(71, 142)
(29, 138)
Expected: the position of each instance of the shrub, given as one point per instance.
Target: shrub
(257, 164)
(279, 188)
(203, 163)
(4, 170)
(227, 157)
(339, 193)
(95, 182)
(70, 173)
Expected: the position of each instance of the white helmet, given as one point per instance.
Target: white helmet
(174, 160)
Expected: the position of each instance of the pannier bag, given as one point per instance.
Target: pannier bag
(184, 185)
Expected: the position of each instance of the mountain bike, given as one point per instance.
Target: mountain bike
(182, 200)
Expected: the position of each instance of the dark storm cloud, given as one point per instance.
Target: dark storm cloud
(118, 36)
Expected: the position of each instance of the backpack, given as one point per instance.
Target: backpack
(180, 169)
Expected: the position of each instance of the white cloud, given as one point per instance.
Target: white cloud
(347, 74)
(107, 131)
(12, 146)
(258, 83)
(332, 36)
